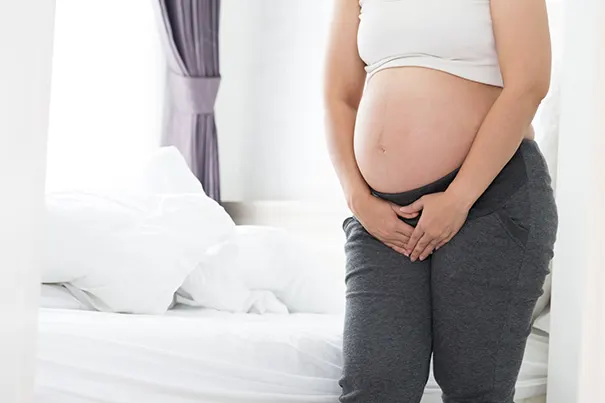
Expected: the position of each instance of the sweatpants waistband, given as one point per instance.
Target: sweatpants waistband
(508, 181)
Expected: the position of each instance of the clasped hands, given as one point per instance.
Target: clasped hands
(442, 217)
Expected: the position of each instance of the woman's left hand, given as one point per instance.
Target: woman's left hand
(442, 217)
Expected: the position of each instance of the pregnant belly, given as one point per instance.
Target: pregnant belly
(415, 125)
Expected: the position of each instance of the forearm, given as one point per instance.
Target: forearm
(340, 126)
(496, 142)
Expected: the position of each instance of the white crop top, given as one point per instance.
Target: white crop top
(454, 36)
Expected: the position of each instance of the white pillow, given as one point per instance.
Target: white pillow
(164, 172)
(129, 253)
(259, 258)
(128, 247)
(56, 296)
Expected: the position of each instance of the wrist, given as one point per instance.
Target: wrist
(356, 198)
(461, 197)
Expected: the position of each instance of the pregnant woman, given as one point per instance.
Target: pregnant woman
(429, 111)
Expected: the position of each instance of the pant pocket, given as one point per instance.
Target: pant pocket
(514, 216)
(517, 232)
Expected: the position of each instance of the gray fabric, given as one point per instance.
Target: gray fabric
(469, 304)
(190, 34)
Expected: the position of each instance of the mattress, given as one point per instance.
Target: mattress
(200, 355)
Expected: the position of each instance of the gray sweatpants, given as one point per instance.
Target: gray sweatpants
(469, 304)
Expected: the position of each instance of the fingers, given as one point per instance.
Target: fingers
(397, 209)
(398, 236)
(400, 241)
(423, 248)
(440, 244)
(413, 242)
(443, 242)
(394, 241)
(415, 207)
(429, 249)
(399, 233)
(421, 245)
(405, 229)
(397, 248)
(398, 245)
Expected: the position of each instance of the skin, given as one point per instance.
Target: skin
(484, 127)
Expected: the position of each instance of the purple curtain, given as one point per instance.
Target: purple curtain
(190, 33)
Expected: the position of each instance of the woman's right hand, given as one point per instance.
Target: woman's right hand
(381, 219)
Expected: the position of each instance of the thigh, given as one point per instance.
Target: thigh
(485, 284)
(387, 335)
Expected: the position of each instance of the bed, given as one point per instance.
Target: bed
(193, 354)
(202, 355)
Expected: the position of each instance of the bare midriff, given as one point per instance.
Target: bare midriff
(416, 125)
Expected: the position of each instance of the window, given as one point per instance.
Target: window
(107, 87)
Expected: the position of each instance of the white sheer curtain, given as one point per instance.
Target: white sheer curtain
(107, 88)
(577, 346)
(26, 31)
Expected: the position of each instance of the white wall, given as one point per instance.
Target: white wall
(269, 108)
(26, 31)
(577, 352)
(107, 88)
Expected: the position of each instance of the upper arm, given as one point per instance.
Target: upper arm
(523, 44)
(344, 70)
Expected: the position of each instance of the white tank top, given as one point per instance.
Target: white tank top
(454, 36)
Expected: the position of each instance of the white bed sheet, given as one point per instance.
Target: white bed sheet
(200, 355)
